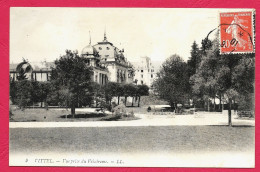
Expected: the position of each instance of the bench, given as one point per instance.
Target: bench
(248, 114)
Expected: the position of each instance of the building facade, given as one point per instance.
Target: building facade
(120, 70)
(108, 62)
(145, 71)
(41, 71)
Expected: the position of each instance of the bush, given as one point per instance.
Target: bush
(130, 115)
(149, 109)
(119, 110)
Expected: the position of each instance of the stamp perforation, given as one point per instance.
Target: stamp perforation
(251, 36)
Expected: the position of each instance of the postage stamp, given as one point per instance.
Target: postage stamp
(236, 32)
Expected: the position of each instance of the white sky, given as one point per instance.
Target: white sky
(39, 34)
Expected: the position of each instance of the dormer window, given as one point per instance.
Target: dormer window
(107, 48)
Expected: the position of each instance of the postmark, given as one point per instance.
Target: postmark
(236, 32)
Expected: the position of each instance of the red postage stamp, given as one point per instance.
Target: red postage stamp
(236, 32)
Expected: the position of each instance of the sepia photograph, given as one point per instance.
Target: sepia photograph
(132, 87)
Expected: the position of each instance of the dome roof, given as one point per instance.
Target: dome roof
(24, 67)
(89, 50)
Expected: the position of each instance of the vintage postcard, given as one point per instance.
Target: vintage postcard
(132, 87)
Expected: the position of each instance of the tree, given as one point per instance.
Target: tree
(142, 90)
(35, 91)
(229, 75)
(73, 77)
(195, 59)
(20, 91)
(110, 91)
(119, 92)
(13, 91)
(129, 91)
(193, 65)
(23, 94)
(236, 76)
(172, 83)
(46, 91)
(204, 82)
(98, 95)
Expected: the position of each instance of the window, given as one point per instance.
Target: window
(142, 82)
(100, 48)
(151, 75)
(107, 48)
(142, 76)
(152, 70)
(142, 70)
(148, 70)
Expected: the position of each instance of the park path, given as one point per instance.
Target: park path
(200, 119)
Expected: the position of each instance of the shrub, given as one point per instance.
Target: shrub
(149, 109)
(119, 110)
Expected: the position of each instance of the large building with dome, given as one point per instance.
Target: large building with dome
(108, 62)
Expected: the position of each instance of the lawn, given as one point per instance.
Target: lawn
(60, 115)
(170, 139)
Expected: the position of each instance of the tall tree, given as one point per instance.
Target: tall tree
(229, 75)
(205, 79)
(74, 77)
(195, 59)
(172, 83)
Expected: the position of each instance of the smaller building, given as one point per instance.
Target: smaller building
(41, 71)
(145, 71)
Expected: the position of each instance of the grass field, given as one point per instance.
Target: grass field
(132, 139)
(59, 115)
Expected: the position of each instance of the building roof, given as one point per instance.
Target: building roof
(89, 50)
(154, 64)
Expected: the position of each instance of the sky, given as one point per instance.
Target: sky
(39, 34)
